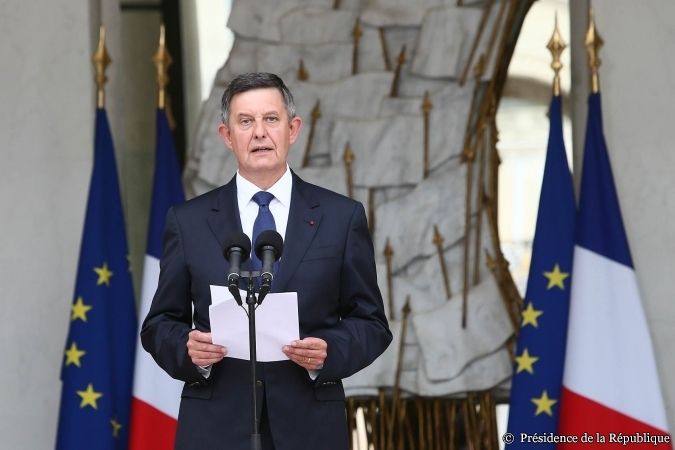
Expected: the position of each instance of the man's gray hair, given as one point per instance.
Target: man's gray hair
(255, 80)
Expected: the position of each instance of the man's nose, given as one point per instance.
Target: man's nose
(259, 131)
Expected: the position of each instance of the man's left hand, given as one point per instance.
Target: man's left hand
(309, 352)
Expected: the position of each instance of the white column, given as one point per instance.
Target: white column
(46, 124)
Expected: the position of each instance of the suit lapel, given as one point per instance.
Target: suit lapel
(224, 215)
(304, 218)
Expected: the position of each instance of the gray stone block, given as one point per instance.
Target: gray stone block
(408, 221)
(255, 19)
(446, 347)
(445, 38)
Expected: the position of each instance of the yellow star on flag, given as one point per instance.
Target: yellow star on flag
(80, 310)
(104, 275)
(526, 362)
(556, 278)
(530, 315)
(544, 404)
(73, 355)
(89, 397)
(116, 427)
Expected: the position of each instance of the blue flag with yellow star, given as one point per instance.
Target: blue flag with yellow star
(99, 353)
(540, 350)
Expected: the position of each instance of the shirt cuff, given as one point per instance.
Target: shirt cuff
(313, 374)
(205, 371)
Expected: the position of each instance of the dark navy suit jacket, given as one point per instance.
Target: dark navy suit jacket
(328, 260)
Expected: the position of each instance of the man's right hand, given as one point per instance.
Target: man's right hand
(201, 349)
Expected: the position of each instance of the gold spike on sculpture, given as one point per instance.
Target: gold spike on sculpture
(511, 299)
(101, 61)
(388, 255)
(480, 204)
(556, 45)
(438, 242)
(396, 390)
(162, 60)
(357, 32)
(467, 150)
(383, 414)
(348, 158)
(419, 406)
(593, 44)
(316, 115)
(501, 22)
(385, 49)
(303, 74)
(487, 144)
(351, 415)
(397, 73)
(426, 111)
(487, 9)
(468, 157)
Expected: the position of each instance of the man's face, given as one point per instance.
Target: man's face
(259, 133)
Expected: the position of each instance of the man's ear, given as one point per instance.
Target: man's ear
(224, 133)
(295, 126)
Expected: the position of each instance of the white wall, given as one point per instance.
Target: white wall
(636, 82)
(46, 124)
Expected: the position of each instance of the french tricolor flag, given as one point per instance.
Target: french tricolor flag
(611, 387)
(156, 396)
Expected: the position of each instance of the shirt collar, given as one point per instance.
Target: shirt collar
(281, 189)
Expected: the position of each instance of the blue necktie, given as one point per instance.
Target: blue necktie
(264, 222)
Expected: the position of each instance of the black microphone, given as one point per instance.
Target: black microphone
(237, 251)
(268, 248)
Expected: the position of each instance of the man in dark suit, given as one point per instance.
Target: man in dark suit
(327, 259)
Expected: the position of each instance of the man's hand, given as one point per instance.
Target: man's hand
(201, 349)
(309, 352)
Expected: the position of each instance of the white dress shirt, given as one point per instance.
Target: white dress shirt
(279, 206)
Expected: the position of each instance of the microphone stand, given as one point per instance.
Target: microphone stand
(252, 302)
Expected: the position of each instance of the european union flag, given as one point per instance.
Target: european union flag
(540, 351)
(98, 363)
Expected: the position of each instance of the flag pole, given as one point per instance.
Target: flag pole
(101, 61)
(156, 396)
(162, 60)
(593, 44)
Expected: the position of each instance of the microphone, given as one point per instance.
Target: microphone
(237, 251)
(268, 248)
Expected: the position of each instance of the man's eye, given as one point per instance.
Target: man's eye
(272, 119)
(245, 122)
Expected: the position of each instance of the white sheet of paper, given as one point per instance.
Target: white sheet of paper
(276, 324)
